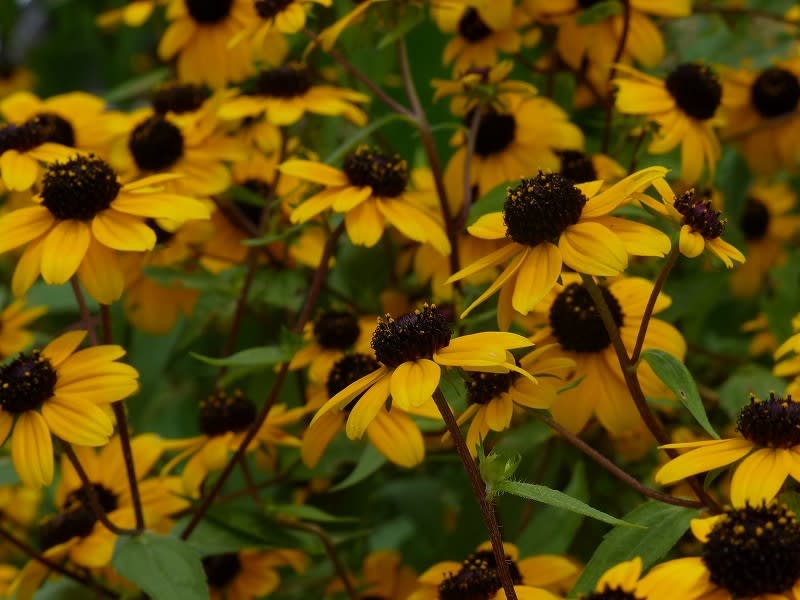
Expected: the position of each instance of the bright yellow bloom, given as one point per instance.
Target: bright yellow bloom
(13, 320)
(23, 146)
(549, 222)
(64, 392)
(249, 574)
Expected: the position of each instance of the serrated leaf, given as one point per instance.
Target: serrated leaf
(677, 378)
(546, 495)
(306, 513)
(370, 461)
(260, 356)
(662, 525)
(164, 567)
(600, 12)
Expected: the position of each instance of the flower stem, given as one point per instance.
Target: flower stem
(472, 137)
(672, 258)
(623, 39)
(479, 489)
(86, 316)
(54, 566)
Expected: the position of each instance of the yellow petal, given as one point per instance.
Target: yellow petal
(705, 458)
(691, 244)
(760, 476)
(490, 226)
(413, 382)
(63, 250)
(32, 450)
(60, 348)
(21, 226)
(397, 437)
(316, 172)
(373, 400)
(77, 421)
(591, 248)
(19, 171)
(536, 277)
(122, 232)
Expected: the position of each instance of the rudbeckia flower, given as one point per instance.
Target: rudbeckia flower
(476, 85)
(625, 580)
(64, 392)
(83, 214)
(13, 321)
(249, 574)
(286, 93)
(385, 577)
(762, 114)
(701, 225)
(492, 397)
(224, 421)
(199, 32)
(371, 191)
(685, 106)
(769, 445)
(392, 431)
(23, 146)
(477, 576)
(749, 553)
(411, 350)
(274, 17)
(520, 136)
(767, 229)
(569, 318)
(548, 222)
(580, 167)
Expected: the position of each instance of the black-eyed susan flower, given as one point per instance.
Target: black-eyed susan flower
(411, 350)
(750, 552)
(767, 228)
(769, 445)
(23, 147)
(685, 106)
(625, 581)
(332, 334)
(762, 119)
(492, 397)
(701, 224)
(370, 190)
(249, 574)
(199, 34)
(549, 222)
(392, 431)
(61, 391)
(224, 420)
(385, 577)
(518, 138)
(83, 215)
(569, 318)
(13, 322)
(277, 16)
(284, 94)
(476, 577)
(580, 167)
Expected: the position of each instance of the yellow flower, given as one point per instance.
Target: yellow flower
(411, 349)
(748, 554)
(532, 576)
(64, 392)
(551, 222)
(769, 442)
(685, 106)
(763, 341)
(569, 318)
(625, 580)
(22, 147)
(286, 93)
(701, 225)
(13, 320)
(485, 85)
(224, 421)
(83, 214)
(371, 191)
(493, 396)
(249, 574)
(762, 119)
(384, 576)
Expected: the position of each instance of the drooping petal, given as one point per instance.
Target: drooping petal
(536, 277)
(413, 383)
(64, 249)
(397, 437)
(705, 458)
(367, 407)
(32, 450)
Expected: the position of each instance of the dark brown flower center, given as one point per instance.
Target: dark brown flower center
(411, 336)
(61, 528)
(178, 98)
(700, 215)
(754, 551)
(472, 27)
(484, 387)
(577, 324)
(253, 210)
(775, 92)
(387, 176)
(156, 144)
(57, 129)
(221, 569)
(609, 593)
(577, 166)
(23, 137)
(221, 413)
(495, 132)
(336, 330)
(80, 498)
(209, 12)
(79, 188)
(696, 90)
(349, 369)
(539, 209)
(288, 81)
(269, 9)
(755, 219)
(26, 383)
(772, 423)
(477, 579)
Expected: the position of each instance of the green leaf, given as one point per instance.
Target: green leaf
(491, 201)
(410, 19)
(371, 460)
(546, 495)
(662, 526)
(274, 237)
(600, 12)
(751, 379)
(8, 475)
(164, 567)
(306, 513)
(362, 134)
(260, 356)
(678, 379)
(137, 87)
(213, 537)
